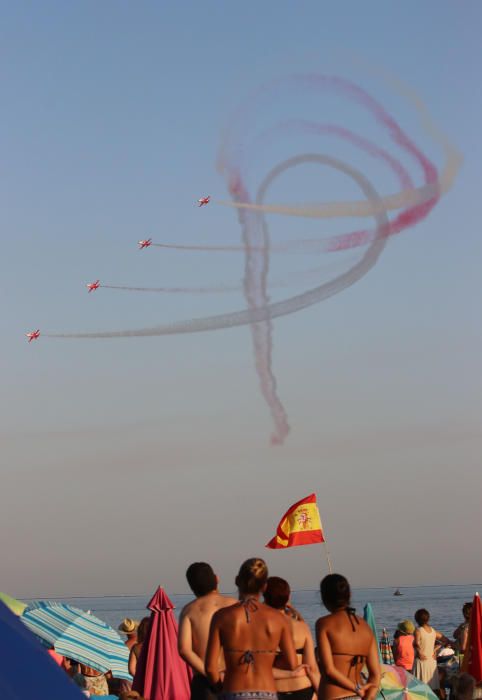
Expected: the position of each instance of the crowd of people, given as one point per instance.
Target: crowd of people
(258, 646)
(420, 649)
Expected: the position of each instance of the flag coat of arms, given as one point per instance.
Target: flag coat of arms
(300, 525)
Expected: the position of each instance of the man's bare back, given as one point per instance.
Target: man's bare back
(194, 624)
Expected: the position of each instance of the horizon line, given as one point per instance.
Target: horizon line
(141, 595)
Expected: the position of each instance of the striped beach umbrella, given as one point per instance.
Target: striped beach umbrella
(386, 648)
(79, 636)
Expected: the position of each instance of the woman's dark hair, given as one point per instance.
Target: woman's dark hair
(422, 617)
(466, 610)
(277, 592)
(143, 629)
(201, 578)
(335, 592)
(252, 576)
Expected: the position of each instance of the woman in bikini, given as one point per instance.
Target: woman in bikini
(345, 645)
(249, 634)
(277, 596)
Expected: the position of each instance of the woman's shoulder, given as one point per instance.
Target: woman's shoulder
(274, 617)
(301, 625)
(323, 622)
(303, 630)
(227, 612)
(340, 617)
(363, 624)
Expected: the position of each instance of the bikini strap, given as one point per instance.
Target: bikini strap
(250, 605)
(248, 655)
(351, 612)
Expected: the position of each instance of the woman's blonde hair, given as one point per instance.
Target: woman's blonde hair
(252, 576)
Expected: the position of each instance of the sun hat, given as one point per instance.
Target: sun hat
(406, 626)
(128, 626)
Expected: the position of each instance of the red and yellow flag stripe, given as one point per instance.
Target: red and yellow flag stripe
(300, 525)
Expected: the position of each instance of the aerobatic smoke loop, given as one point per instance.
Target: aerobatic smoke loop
(411, 205)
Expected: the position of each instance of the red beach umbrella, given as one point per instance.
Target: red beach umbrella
(474, 652)
(161, 673)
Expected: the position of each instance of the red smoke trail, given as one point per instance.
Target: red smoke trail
(408, 217)
(255, 231)
(277, 309)
(174, 290)
(301, 275)
(344, 241)
(260, 312)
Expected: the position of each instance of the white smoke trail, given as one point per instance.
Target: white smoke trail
(276, 309)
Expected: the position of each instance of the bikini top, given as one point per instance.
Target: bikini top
(357, 659)
(250, 605)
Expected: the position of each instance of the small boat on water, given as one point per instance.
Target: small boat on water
(398, 592)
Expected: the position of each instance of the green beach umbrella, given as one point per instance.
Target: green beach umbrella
(16, 606)
(369, 617)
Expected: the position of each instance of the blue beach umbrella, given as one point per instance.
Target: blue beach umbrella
(26, 670)
(369, 617)
(79, 636)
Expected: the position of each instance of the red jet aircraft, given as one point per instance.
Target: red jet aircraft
(92, 286)
(144, 244)
(33, 335)
(203, 201)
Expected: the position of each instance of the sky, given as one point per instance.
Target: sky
(124, 460)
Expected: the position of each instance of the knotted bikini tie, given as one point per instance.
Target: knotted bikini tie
(247, 658)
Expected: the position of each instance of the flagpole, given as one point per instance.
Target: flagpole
(327, 551)
(328, 558)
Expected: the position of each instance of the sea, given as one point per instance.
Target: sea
(443, 602)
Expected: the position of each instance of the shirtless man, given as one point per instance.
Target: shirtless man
(194, 623)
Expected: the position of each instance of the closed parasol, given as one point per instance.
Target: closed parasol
(386, 648)
(369, 617)
(472, 662)
(161, 673)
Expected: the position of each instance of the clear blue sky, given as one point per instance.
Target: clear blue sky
(122, 461)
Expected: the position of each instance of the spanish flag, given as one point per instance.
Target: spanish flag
(300, 525)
